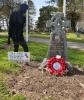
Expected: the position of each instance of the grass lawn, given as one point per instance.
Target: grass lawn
(40, 35)
(73, 37)
(38, 52)
(6, 68)
(70, 36)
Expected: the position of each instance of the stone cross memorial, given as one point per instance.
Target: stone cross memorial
(58, 44)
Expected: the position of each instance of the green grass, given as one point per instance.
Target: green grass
(3, 88)
(76, 56)
(39, 51)
(15, 97)
(9, 67)
(72, 37)
(6, 68)
(40, 35)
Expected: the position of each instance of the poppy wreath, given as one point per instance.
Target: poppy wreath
(61, 63)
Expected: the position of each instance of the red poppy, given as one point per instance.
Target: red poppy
(56, 65)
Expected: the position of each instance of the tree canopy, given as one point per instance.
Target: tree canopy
(45, 15)
(12, 5)
(74, 8)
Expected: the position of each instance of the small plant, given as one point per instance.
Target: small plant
(3, 89)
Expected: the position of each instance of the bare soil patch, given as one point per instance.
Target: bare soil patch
(36, 85)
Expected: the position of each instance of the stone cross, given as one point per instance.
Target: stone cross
(58, 44)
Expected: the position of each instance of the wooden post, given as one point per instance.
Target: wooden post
(64, 8)
(65, 41)
(27, 27)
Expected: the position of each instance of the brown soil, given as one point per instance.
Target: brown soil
(36, 85)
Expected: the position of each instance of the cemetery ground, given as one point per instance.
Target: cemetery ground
(26, 82)
(72, 37)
